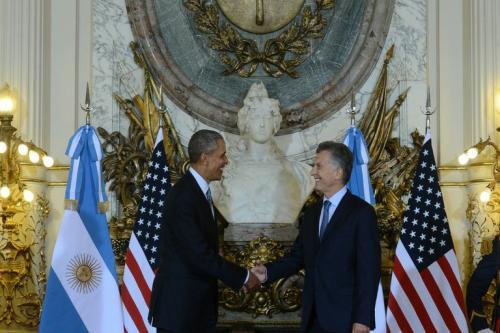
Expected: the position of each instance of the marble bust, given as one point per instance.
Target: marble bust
(260, 185)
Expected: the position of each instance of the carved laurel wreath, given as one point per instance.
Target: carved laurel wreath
(241, 55)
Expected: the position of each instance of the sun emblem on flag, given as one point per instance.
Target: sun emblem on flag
(83, 273)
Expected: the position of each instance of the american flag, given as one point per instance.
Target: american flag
(142, 258)
(425, 293)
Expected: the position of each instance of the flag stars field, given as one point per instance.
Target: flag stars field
(142, 260)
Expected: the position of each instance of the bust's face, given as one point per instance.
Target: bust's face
(260, 126)
(260, 121)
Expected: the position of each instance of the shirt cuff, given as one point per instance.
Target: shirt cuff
(248, 276)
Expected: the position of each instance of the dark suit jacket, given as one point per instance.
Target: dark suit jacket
(478, 286)
(184, 295)
(342, 272)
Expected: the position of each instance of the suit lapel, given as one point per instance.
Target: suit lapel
(315, 223)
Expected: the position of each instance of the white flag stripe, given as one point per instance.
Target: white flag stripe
(405, 305)
(379, 309)
(142, 261)
(135, 293)
(74, 179)
(159, 136)
(366, 183)
(445, 290)
(100, 189)
(392, 322)
(451, 258)
(420, 287)
(94, 313)
(128, 322)
(74, 144)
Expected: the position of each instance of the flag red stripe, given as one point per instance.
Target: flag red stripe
(415, 300)
(134, 268)
(453, 280)
(437, 297)
(134, 313)
(398, 315)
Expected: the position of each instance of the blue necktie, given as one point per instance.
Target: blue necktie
(324, 218)
(209, 199)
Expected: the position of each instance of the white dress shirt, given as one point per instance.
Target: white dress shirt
(335, 201)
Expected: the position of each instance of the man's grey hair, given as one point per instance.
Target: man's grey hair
(203, 141)
(340, 156)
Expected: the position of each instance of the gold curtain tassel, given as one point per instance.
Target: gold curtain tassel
(71, 204)
(103, 206)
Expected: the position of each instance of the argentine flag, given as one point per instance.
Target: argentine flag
(82, 292)
(360, 185)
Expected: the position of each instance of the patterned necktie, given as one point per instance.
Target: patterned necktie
(208, 194)
(324, 218)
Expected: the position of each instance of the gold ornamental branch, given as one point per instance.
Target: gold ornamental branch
(281, 55)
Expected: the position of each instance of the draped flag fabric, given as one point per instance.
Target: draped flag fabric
(360, 184)
(82, 291)
(425, 293)
(142, 258)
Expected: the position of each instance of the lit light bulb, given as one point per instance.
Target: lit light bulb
(4, 191)
(463, 159)
(485, 195)
(34, 156)
(3, 147)
(47, 161)
(6, 105)
(28, 195)
(472, 153)
(22, 149)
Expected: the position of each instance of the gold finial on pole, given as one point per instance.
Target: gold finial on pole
(162, 109)
(353, 109)
(86, 107)
(428, 111)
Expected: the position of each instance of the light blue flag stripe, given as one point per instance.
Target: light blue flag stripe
(360, 183)
(61, 316)
(361, 186)
(84, 137)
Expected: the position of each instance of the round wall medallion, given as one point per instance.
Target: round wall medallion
(260, 16)
(192, 73)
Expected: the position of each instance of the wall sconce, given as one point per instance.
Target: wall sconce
(22, 276)
(13, 151)
(472, 153)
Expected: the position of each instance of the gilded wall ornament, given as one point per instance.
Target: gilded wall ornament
(126, 157)
(191, 73)
(260, 16)
(22, 264)
(285, 295)
(281, 55)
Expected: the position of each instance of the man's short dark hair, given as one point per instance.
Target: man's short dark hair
(340, 155)
(203, 141)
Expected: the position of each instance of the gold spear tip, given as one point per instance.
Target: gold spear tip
(87, 96)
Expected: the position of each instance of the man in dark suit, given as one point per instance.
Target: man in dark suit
(184, 295)
(339, 249)
(478, 286)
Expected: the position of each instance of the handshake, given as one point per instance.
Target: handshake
(257, 275)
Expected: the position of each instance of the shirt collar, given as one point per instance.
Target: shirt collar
(337, 197)
(202, 183)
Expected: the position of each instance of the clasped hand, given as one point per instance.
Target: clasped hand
(257, 276)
